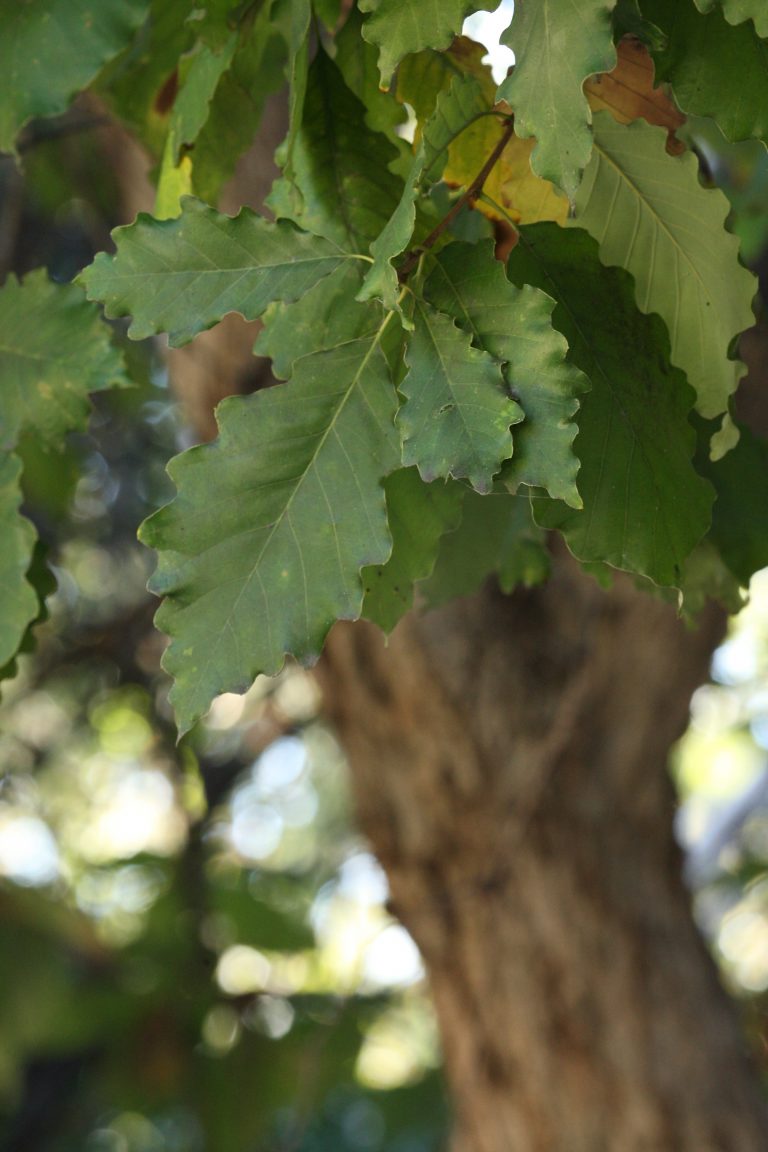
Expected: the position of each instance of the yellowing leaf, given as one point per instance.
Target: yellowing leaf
(628, 93)
(512, 188)
(525, 196)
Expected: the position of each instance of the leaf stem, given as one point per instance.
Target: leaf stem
(472, 192)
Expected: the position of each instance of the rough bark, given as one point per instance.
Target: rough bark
(509, 760)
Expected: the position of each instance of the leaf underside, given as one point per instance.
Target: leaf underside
(650, 215)
(545, 87)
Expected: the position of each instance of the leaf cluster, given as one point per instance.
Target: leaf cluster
(496, 311)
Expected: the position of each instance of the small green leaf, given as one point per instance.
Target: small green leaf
(635, 442)
(715, 69)
(737, 11)
(418, 515)
(356, 60)
(381, 281)
(262, 548)
(54, 350)
(19, 604)
(297, 15)
(558, 44)
(398, 27)
(38, 576)
(496, 535)
(456, 108)
(181, 276)
(649, 214)
(51, 49)
(515, 326)
(457, 413)
(421, 78)
(200, 73)
(334, 192)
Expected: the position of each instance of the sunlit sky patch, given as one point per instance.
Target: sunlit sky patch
(486, 28)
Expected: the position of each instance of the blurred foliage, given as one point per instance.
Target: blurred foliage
(195, 952)
(194, 947)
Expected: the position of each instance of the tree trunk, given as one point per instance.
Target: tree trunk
(509, 757)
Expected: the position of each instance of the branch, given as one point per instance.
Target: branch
(472, 192)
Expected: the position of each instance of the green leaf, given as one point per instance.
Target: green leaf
(19, 603)
(422, 77)
(356, 60)
(398, 27)
(496, 535)
(299, 14)
(200, 73)
(462, 104)
(262, 548)
(237, 107)
(706, 576)
(740, 515)
(737, 11)
(715, 69)
(174, 182)
(321, 319)
(628, 20)
(558, 44)
(381, 281)
(51, 49)
(44, 583)
(457, 413)
(54, 350)
(341, 196)
(418, 514)
(515, 326)
(181, 276)
(140, 84)
(645, 507)
(651, 215)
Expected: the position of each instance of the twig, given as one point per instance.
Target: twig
(472, 192)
